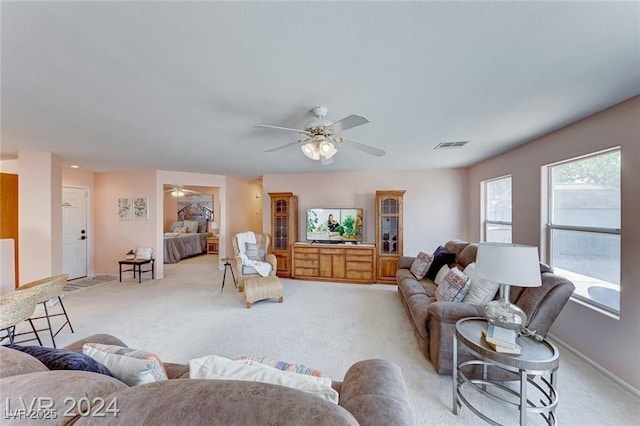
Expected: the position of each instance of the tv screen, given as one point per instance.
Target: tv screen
(335, 225)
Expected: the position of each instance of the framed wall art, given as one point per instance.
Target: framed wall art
(141, 207)
(125, 210)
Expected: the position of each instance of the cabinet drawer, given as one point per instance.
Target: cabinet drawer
(313, 250)
(360, 252)
(332, 251)
(305, 272)
(353, 258)
(305, 256)
(360, 275)
(305, 263)
(359, 266)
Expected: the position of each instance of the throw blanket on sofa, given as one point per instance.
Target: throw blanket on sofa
(263, 268)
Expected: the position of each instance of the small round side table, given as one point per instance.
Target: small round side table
(227, 265)
(535, 368)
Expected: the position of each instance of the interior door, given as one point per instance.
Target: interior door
(74, 217)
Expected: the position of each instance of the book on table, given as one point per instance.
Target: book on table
(501, 340)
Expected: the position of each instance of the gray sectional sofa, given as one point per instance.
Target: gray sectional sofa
(434, 322)
(373, 392)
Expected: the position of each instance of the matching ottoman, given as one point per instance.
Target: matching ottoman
(262, 288)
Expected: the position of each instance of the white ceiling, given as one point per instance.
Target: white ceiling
(118, 86)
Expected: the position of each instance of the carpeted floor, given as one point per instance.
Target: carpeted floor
(84, 283)
(322, 325)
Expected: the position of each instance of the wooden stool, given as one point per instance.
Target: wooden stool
(262, 288)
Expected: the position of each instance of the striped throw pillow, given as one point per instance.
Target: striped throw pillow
(132, 366)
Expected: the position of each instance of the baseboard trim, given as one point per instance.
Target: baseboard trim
(629, 388)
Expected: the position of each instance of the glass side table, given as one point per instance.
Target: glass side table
(535, 369)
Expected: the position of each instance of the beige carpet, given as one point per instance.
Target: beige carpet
(322, 325)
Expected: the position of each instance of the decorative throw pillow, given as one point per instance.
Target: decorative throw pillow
(439, 279)
(216, 367)
(59, 359)
(191, 225)
(440, 257)
(174, 225)
(132, 366)
(284, 366)
(454, 287)
(251, 250)
(481, 291)
(421, 265)
(180, 229)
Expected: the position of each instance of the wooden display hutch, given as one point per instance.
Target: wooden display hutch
(334, 262)
(284, 229)
(388, 234)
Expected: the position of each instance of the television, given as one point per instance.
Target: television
(335, 225)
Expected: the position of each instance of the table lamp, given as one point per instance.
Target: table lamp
(213, 226)
(507, 264)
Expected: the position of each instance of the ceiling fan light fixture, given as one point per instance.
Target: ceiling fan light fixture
(310, 149)
(177, 191)
(327, 149)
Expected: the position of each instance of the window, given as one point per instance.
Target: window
(584, 226)
(497, 210)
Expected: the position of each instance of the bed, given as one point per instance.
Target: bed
(184, 239)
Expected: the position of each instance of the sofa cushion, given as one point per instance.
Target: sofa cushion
(421, 265)
(454, 287)
(63, 389)
(60, 359)
(105, 339)
(467, 255)
(13, 363)
(132, 366)
(220, 368)
(418, 305)
(230, 402)
(456, 246)
(440, 257)
(481, 291)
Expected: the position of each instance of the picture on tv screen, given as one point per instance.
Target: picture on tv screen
(335, 225)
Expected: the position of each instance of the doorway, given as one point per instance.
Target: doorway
(74, 238)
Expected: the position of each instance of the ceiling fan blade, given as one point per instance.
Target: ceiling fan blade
(281, 146)
(348, 122)
(282, 128)
(365, 148)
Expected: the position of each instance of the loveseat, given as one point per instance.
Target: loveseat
(373, 393)
(434, 321)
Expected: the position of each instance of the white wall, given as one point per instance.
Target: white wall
(435, 201)
(611, 343)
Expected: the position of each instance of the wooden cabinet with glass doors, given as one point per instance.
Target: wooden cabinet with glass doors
(284, 229)
(388, 234)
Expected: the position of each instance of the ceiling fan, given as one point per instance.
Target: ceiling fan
(180, 191)
(321, 137)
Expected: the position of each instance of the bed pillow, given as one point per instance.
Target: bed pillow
(441, 257)
(180, 229)
(202, 226)
(216, 367)
(174, 225)
(481, 291)
(191, 225)
(60, 359)
(454, 287)
(421, 265)
(132, 366)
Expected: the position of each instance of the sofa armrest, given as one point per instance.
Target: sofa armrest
(375, 393)
(404, 262)
(451, 312)
(105, 339)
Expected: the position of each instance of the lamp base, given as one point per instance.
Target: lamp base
(505, 314)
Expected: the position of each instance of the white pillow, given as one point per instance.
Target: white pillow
(439, 279)
(220, 368)
(134, 367)
(481, 291)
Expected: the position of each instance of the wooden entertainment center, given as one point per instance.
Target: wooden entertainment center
(352, 263)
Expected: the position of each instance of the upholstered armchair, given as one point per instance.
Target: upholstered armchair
(244, 271)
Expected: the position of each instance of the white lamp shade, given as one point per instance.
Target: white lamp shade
(511, 264)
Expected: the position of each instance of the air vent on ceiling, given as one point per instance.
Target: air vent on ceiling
(451, 145)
